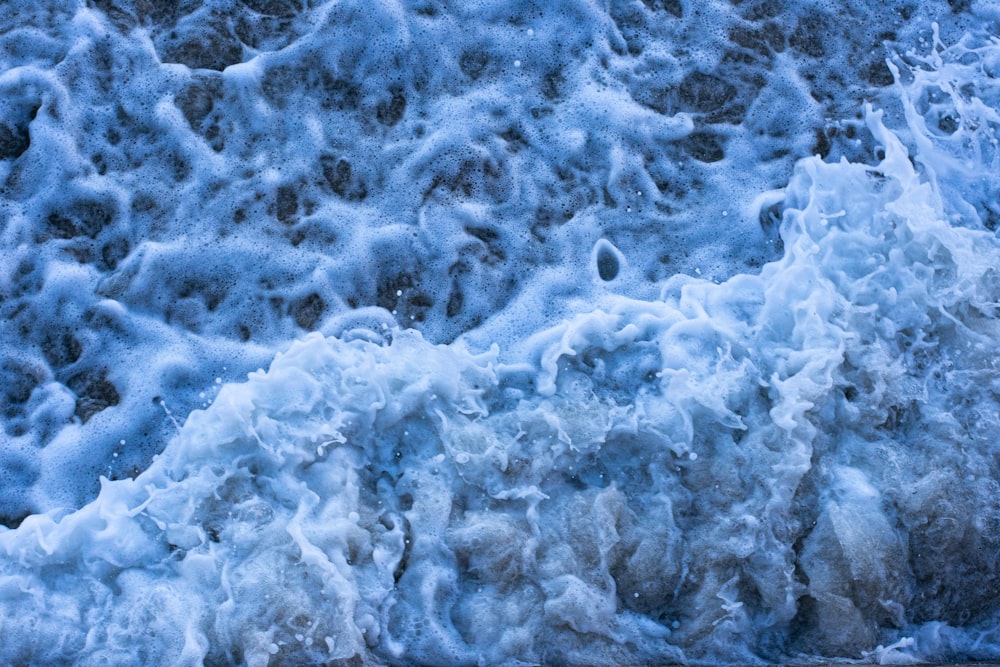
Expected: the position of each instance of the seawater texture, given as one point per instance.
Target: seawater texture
(637, 335)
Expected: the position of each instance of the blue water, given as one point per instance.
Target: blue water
(594, 333)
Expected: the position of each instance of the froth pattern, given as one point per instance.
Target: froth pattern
(524, 430)
(187, 185)
(783, 467)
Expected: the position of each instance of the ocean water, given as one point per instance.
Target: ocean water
(379, 332)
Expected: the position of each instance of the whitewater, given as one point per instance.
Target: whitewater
(416, 332)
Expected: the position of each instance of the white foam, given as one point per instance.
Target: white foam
(610, 370)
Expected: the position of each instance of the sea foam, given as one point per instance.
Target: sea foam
(777, 466)
(603, 369)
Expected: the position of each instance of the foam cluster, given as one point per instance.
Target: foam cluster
(634, 337)
(188, 186)
(780, 466)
